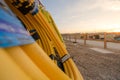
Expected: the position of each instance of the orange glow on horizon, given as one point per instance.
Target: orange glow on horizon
(116, 30)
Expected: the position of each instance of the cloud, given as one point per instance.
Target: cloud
(86, 15)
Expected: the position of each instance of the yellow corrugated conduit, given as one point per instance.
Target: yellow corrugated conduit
(39, 66)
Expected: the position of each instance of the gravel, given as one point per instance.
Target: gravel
(94, 65)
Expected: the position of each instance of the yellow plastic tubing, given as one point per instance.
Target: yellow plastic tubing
(44, 62)
(30, 23)
(9, 70)
(70, 67)
(60, 47)
(51, 22)
(19, 56)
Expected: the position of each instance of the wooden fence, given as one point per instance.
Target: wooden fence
(92, 36)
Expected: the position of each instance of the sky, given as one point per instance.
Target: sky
(75, 16)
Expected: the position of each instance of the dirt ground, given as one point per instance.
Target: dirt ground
(94, 65)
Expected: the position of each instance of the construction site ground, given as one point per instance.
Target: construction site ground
(94, 65)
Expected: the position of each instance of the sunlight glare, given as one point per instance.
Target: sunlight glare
(116, 30)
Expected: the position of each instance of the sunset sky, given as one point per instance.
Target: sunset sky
(73, 16)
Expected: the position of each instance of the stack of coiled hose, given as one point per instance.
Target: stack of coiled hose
(45, 57)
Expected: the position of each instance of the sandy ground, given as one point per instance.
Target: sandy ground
(94, 65)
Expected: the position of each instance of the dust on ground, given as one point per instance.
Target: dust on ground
(94, 65)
